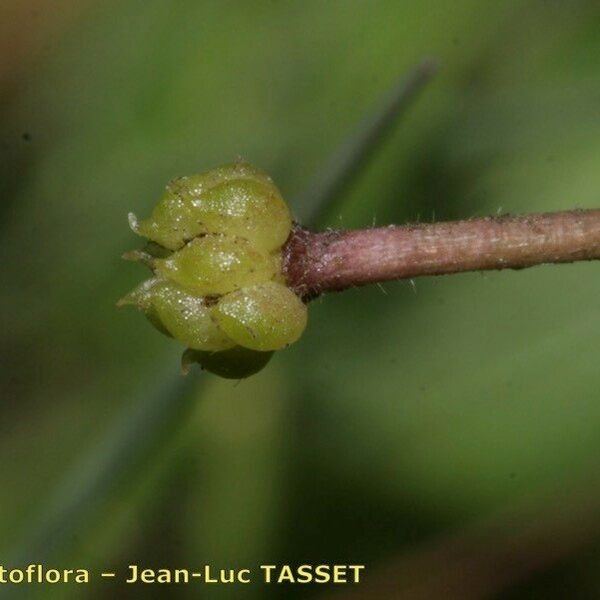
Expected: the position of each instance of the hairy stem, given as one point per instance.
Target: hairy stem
(335, 260)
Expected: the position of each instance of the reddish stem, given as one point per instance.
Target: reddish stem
(335, 260)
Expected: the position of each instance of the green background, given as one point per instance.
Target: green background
(406, 414)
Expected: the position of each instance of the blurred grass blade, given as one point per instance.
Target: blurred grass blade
(320, 197)
(111, 468)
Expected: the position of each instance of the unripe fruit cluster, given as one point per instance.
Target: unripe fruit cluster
(215, 251)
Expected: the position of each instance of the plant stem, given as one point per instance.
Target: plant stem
(335, 260)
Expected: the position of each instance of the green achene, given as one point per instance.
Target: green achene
(214, 246)
(179, 314)
(217, 264)
(236, 363)
(235, 199)
(267, 316)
